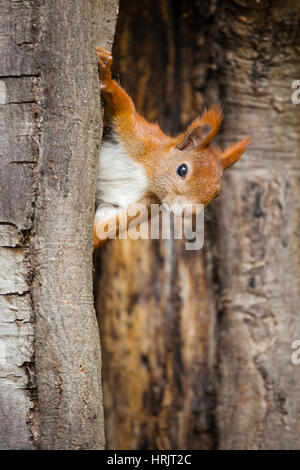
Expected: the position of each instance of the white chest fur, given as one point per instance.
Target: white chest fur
(120, 181)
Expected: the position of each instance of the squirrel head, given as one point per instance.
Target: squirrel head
(188, 170)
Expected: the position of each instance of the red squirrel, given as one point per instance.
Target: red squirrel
(138, 163)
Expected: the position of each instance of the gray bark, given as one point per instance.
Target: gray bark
(18, 130)
(257, 249)
(50, 131)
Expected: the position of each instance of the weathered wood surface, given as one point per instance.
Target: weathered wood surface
(18, 128)
(50, 127)
(157, 364)
(257, 242)
(67, 351)
(198, 355)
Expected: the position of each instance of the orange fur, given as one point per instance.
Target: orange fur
(233, 152)
(159, 154)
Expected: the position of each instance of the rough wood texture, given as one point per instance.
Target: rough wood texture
(67, 351)
(49, 135)
(17, 195)
(159, 379)
(257, 243)
(157, 363)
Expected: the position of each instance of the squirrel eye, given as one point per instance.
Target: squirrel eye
(182, 170)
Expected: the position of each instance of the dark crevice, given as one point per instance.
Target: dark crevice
(18, 102)
(29, 75)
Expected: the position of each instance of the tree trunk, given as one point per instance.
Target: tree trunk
(197, 346)
(50, 382)
(257, 241)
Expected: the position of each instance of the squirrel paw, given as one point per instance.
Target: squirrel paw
(104, 58)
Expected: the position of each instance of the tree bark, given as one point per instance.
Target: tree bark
(197, 347)
(257, 249)
(50, 382)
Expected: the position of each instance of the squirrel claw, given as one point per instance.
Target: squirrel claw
(104, 57)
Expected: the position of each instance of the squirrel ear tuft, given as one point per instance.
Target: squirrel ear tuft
(193, 137)
(200, 133)
(213, 117)
(234, 152)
